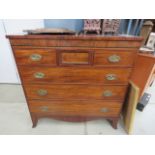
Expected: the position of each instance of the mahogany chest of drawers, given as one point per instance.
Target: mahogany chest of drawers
(75, 78)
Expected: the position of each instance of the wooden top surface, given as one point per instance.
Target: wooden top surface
(76, 37)
(147, 55)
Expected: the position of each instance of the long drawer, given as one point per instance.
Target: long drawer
(76, 42)
(80, 56)
(72, 91)
(75, 75)
(76, 108)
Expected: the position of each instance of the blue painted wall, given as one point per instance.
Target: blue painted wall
(131, 26)
(127, 26)
(73, 24)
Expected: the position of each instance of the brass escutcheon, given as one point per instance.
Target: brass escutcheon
(35, 57)
(111, 77)
(44, 108)
(42, 92)
(114, 58)
(104, 110)
(107, 93)
(39, 75)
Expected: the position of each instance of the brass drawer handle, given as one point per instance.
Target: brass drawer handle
(114, 58)
(107, 93)
(104, 110)
(35, 57)
(111, 77)
(42, 92)
(39, 75)
(44, 108)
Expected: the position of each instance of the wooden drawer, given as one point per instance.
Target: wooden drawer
(75, 75)
(114, 58)
(74, 92)
(76, 108)
(74, 56)
(77, 42)
(97, 57)
(35, 56)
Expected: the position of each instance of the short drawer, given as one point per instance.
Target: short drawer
(76, 108)
(75, 75)
(121, 58)
(35, 56)
(75, 92)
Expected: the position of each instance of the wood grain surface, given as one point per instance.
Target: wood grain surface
(75, 75)
(75, 92)
(78, 108)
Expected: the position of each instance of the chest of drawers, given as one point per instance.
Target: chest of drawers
(75, 78)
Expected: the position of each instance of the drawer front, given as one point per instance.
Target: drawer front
(75, 92)
(76, 43)
(35, 56)
(74, 57)
(76, 108)
(114, 58)
(75, 75)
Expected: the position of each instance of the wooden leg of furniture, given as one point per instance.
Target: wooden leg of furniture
(34, 120)
(113, 122)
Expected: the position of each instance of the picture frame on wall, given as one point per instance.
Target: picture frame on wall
(151, 41)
